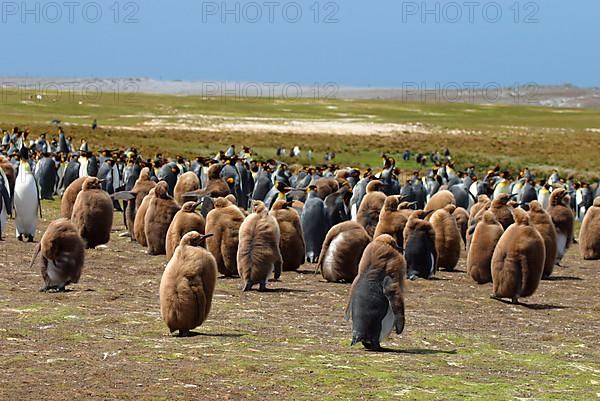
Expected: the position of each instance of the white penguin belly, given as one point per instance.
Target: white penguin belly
(54, 277)
(329, 255)
(387, 324)
(561, 244)
(353, 211)
(3, 218)
(26, 204)
(432, 266)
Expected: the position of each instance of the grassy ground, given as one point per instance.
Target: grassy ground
(515, 136)
(105, 339)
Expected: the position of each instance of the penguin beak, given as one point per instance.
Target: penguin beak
(205, 236)
(198, 203)
(427, 213)
(513, 196)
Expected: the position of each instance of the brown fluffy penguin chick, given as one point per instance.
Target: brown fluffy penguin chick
(391, 220)
(291, 242)
(440, 199)
(62, 255)
(483, 242)
(541, 220)
(502, 211)
(563, 219)
(589, 235)
(231, 198)
(326, 186)
(142, 187)
(224, 223)
(185, 221)
(93, 213)
(462, 221)
(161, 211)
(215, 186)
(187, 182)
(376, 303)
(370, 207)
(139, 225)
(518, 260)
(447, 237)
(406, 208)
(341, 252)
(483, 203)
(258, 252)
(69, 196)
(187, 285)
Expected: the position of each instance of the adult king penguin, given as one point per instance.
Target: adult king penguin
(315, 224)
(27, 199)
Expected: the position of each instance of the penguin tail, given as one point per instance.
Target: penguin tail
(36, 252)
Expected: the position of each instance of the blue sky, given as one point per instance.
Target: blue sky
(382, 43)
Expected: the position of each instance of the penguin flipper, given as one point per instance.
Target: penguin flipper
(348, 312)
(39, 198)
(123, 195)
(393, 293)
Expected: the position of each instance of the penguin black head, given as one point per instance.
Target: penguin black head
(24, 153)
(281, 187)
(311, 188)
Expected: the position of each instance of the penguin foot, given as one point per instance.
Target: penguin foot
(183, 333)
(20, 237)
(52, 289)
(515, 300)
(262, 287)
(30, 238)
(413, 277)
(371, 346)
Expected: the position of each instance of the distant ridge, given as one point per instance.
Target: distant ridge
(566, 96)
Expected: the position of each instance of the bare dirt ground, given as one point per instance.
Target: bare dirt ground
(104, 340)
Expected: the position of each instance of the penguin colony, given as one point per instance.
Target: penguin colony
(239, 217)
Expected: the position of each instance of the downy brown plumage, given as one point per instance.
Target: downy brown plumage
(518, 260)
(187, 285)
(258, 251)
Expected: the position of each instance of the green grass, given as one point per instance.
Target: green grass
(513, 135)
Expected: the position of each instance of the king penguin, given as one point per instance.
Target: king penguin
(27, 199)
